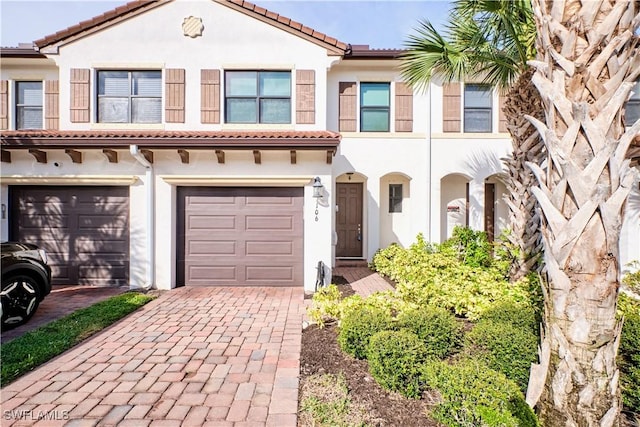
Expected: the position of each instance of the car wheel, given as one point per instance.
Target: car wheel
(19, 300)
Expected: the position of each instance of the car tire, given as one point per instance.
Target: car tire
(19, 300)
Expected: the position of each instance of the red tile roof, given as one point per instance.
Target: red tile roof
(138, 6)
(170, 139)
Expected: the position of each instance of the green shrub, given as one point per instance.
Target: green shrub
(505, 348)
(519, 315)
(632, 280)
(427, 277)
(357, 327)
(325, 305)
(629, 353)
(474, 395)
(395, 361)
(471, 247)
(438, 329)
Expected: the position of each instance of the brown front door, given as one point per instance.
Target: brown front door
(230, 236)
(349, 220)
(489, 210)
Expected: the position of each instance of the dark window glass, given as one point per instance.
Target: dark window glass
(395, 198)
(477, 108)
(129, 96)
(28, 105)
(374, 107)
(258, 97)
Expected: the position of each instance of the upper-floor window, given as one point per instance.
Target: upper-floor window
(375, 101)
(28, 105)
(477, 108)
(258, 97)
(395, 198)
(129, 96)
(632, 109)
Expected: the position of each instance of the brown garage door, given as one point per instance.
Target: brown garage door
(85, 230)
(240, 236)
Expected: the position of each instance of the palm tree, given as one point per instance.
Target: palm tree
(588, 58)
(492, 39)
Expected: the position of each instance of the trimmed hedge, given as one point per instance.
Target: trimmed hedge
(474, 395)
(629, 353)
(358, 326)
(395, 361)
(438, 329)
(505, 348)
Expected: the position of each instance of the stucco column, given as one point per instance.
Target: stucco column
(476, 204)
(372, 218)
(435, 225)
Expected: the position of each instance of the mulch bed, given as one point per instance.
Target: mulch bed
(322, 355)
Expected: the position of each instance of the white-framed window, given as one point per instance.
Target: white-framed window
(28, 105)
(632, 108)
(375, 107)
(258, 97)
(477, 108)
(129, 96)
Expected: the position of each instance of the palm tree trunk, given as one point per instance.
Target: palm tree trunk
(587, 59)
(523, 98)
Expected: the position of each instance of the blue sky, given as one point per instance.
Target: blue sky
(378, 23)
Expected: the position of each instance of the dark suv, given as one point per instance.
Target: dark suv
(26, 280)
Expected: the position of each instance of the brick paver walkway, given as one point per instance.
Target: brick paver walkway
(193, 357)
(363, 280)
(63, 300)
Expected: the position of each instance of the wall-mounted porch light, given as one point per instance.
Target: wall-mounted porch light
(318, 189)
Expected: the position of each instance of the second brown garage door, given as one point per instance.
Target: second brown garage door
(85, 231)
(233, 236)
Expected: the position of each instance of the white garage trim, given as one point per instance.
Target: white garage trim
(235, 181)
(70, 180)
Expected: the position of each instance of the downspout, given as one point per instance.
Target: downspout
(430, 228)
(150, 187)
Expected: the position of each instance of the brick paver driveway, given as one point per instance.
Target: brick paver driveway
(195, 356)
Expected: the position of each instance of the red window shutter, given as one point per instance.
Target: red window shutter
(80, 101)
(348, 107)
(451, 107)
(4, 104)
(210, 96)
(404, 108)
(51, 104)
(502, 126)
(174, 95)
(305, 96)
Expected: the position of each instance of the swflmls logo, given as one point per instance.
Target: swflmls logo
(31, 415)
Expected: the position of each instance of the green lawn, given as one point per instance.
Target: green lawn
(27, 352)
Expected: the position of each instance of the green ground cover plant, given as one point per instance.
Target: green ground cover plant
(27, 352)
